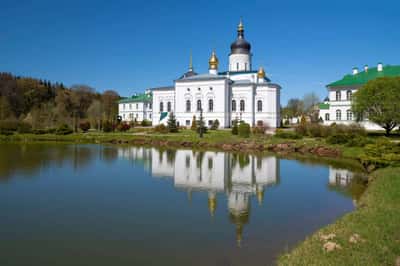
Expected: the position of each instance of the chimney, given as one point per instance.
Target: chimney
(380, 67)
(366, 68)
(355, 71)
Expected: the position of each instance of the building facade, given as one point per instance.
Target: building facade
(239, 93)
(136, 108)
(337, 109)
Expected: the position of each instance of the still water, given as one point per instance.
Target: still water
(111, 205)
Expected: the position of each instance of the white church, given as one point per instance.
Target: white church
(238, 93)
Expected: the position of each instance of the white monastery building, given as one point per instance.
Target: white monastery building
(337, 109)
(238, 93)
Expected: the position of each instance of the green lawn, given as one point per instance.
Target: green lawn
(376, 221)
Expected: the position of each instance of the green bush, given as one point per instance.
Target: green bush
(64, 130)
(40, 131)
(161, 128)
(146, 123)
(235, 128)
(358, 141)
(108, 126)
(6, 132)
(382, 152)
(244, 130)
(215, 125)
(339, 138)
(285, 134)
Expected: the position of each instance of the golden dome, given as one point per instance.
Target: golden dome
(213, 62)
(261, 73)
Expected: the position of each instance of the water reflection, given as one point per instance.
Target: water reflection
(238, 176)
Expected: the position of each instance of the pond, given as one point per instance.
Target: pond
(64, 204)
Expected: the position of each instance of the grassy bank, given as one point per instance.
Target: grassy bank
(368, 236)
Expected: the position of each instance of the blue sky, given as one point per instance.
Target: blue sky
(129, 46)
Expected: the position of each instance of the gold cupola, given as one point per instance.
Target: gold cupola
(213, 62)
(240, 26)
(261, 73)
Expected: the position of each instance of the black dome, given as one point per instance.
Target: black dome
(240, 46)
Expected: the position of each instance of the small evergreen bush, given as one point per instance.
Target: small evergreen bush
(215, 125)
(171, 124)
(146, 123)
(161, 128)
(235, 129)
(64, 130)
(244, 130)
(107, 126)
(285, 134)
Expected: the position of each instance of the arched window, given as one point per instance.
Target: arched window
(198, 105)
(338, 98)
(168, 106)
(259, 106)
(326, 117)
(233, 105)
(338, 115)
(349, 115)
(237, 66)
(210, 105)
(188, 106)
(161, 107)
(242, 105)
(349, 95)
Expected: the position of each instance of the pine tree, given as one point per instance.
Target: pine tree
(194, 124)
(201, 126)
(171, 124)
(235, 127)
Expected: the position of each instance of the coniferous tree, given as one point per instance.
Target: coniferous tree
(194, 124)
(171, 124)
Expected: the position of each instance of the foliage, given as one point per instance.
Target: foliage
(171, 123)
(244, 130)
(161, 128)
(382, 152)
(63, 130)
(286, 134)
(123, 127)
(44, 104)
(194, 124)
(260, 129)
(24, 127)
(235, 128)
(201, 126)
(146, 123)
(84, 126)
(378, 100)
(108, 126)
(215, 125)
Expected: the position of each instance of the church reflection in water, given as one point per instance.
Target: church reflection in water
(238, 176)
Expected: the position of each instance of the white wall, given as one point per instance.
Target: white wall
(216, 90)
(164, 96)
(240, 62)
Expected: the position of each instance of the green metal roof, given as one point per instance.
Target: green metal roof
(138, 98)
(363, 77)
(323, 106)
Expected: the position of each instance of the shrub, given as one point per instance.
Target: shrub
(146, 123)
(39, 131)
(235, 129)
(358, 141)
(215, 125)
(6, 132)
(161, 128)
(301, 129)
(194, 124)
(107, 126)
(64, 130)
(382, 152)
(285, 134)
(171, 123)
(123, 127)
(84, 126)
(338, 138)
(24, 127)
(244, 130)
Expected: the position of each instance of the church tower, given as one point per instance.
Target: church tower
(240, 56)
